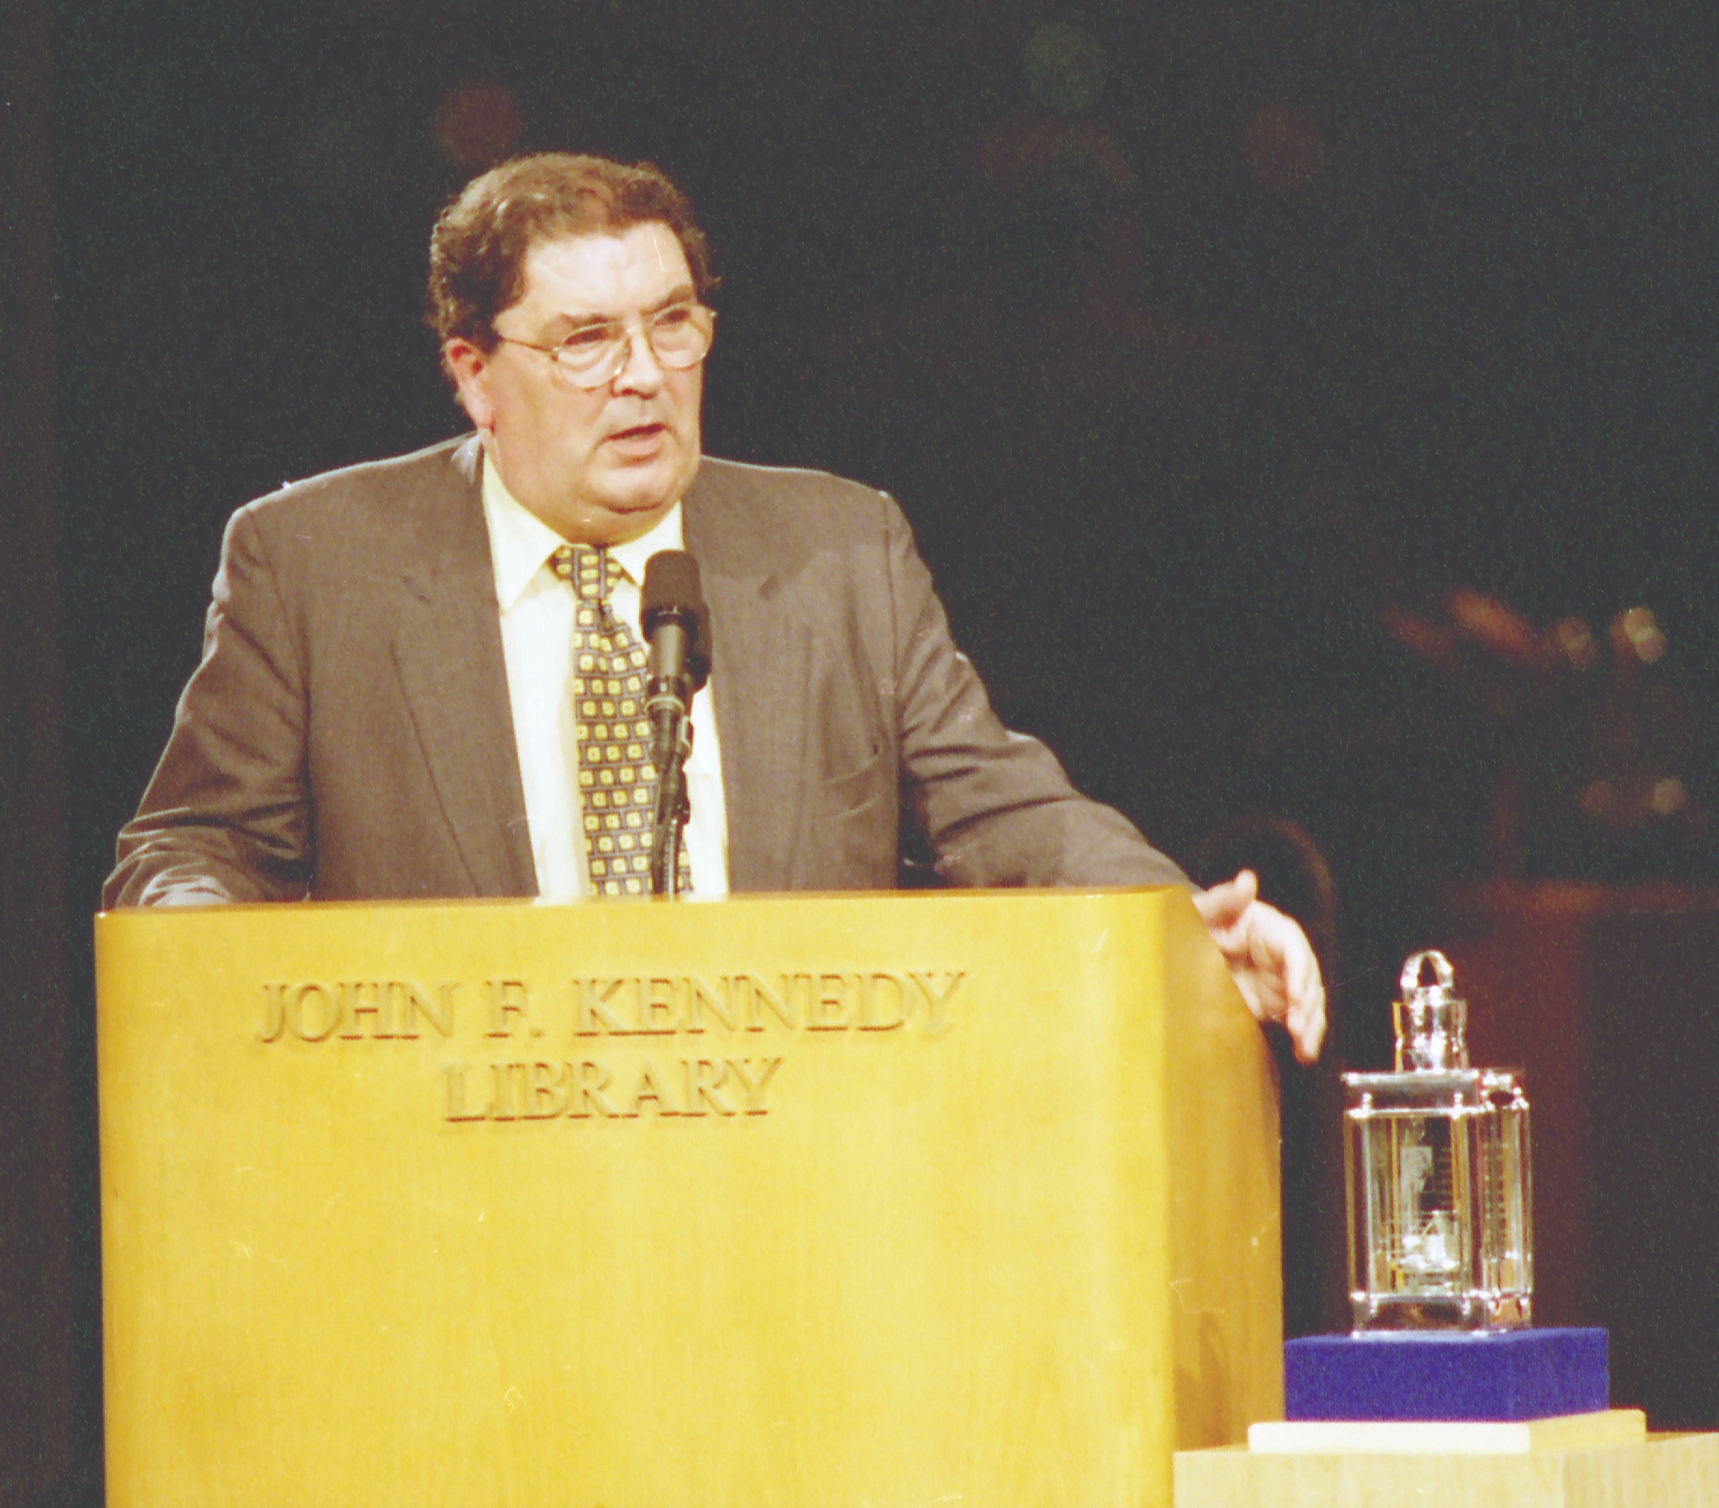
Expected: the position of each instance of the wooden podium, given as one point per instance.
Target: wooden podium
(749, 1204)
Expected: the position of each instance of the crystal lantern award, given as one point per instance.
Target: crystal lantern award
(1435, 1161)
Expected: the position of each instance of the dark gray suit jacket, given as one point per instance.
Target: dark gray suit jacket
(348, 732)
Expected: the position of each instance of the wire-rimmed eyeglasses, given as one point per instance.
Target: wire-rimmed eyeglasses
(678, 336)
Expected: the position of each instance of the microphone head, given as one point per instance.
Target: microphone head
(671, 585)
(671, 591)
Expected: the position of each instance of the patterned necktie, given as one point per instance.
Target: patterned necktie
(617, 781)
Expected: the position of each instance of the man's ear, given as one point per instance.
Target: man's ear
(469, 366)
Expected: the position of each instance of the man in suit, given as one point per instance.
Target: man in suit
(390, 698)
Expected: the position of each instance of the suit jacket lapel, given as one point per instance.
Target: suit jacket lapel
(447, 646)
(759, 660)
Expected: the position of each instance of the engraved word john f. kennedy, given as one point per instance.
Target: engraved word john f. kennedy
(602, 1048)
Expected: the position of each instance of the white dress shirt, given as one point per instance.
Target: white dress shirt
(536, 642)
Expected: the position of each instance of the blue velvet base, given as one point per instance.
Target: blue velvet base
(1445, 1374)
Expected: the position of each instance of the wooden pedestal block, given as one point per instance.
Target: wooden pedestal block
(1665, 1470)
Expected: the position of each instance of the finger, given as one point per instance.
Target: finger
(1273, 942)
(1232, 940)
(1214, 905)
(1285, 973)
(1305, 1018)
(1223, 905)
(1300, 969)
(1307, 1029)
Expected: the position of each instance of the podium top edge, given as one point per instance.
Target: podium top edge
(1062, 894)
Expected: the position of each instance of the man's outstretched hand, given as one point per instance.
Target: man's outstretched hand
(1270, 957)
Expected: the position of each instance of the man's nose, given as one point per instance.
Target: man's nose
(640, 369)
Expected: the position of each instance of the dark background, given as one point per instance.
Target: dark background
(1209, 347)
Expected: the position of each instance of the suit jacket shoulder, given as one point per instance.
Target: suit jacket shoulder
(348, 732)
(364, 522)
(835, 667)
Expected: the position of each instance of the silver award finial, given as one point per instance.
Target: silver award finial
(1431, 1023)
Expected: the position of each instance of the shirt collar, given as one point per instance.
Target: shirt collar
(520, 542)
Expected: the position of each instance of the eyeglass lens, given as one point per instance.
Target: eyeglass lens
(678, 336)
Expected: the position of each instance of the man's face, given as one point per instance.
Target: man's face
(599, 466)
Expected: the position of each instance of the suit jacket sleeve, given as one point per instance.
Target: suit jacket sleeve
(226, 814)
(995, 805)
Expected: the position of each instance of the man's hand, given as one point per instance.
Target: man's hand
(1270, 957)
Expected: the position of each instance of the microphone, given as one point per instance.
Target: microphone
(677, 624)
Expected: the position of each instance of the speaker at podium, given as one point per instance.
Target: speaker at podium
(892, 1199)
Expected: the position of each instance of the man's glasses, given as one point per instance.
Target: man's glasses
(593, 355)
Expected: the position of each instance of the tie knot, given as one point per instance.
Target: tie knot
(586, 568)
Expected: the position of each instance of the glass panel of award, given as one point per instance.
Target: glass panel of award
(1435, 1160)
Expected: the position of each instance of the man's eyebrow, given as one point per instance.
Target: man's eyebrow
(565, 324)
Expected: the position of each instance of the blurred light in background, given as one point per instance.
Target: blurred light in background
(1636, 633)
(478, 123)
(1574, 642)
(1668, 796)
(1283, 147)
(1065, 69)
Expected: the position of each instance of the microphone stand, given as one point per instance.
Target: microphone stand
(673, 807)
(677, 623)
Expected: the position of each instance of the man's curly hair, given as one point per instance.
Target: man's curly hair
(481, 240)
